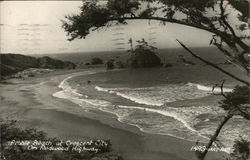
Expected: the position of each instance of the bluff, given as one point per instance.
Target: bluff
(13, 63)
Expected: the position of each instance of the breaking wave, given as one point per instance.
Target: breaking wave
(190, 123)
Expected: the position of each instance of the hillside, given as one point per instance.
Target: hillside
(13, 63)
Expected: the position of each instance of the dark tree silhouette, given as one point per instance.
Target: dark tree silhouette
(143, 56)
(10, 132)
(96, 60)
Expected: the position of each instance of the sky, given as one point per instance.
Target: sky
(34, 27)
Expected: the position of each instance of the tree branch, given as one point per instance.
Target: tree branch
(212, 65)
(215, 135)
(225, 36)
(223, 18)
(241, 65)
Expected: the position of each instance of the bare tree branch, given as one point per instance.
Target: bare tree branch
(203, 154)
(212, 65)
(223, 18)
(226, 37)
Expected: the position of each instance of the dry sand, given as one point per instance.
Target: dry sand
(31, 103)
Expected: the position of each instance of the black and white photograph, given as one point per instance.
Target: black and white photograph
(124, 80)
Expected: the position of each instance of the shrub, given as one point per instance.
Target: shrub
(10, 132)
(120, 64)
(144, 56)
(110, 64)
(241, 150)
(166, 65)
(237, 101)
(96, 61)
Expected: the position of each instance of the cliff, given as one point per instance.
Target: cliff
(13, 63)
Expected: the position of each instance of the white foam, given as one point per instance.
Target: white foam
(101, 89)
(67, 91)
(140, 100)
(157, 96)
(210, 89)
(42, 83)
(71, 94)
(185, 115)
(165, 113)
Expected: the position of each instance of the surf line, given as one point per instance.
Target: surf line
(165, 113)
(66, 88)
(63, 85)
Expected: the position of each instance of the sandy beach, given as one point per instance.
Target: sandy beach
(31, 103)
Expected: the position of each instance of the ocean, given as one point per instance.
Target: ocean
(174, 101)
(168, 55)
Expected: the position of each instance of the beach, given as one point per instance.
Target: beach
(31, 103)
(124, 80)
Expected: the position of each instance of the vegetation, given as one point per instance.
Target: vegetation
(87, 64)
(211, 15)
(241, 150)
(110, 64)
(96, 61)
(236, 103)
(143, 56)
(228, 38)
(120, 64)
(13, 63)
(11, 149)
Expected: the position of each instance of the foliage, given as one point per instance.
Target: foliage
(237, 101)
(96, 60)
(120, 8)
(119, 64)
(10, 132)
(166, 65)
(143, 56)
(110, 64)
(14, 63)
(241, 150)
(240, 95)
(209, 15)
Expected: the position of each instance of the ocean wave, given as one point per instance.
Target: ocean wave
(70, 93)
(184, 121)
(67, 91)
(141, 100)
(213, 89)
(209, 89)
(165, 113)
(157, 96)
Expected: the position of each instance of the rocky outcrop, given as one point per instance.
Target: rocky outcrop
(144, 59)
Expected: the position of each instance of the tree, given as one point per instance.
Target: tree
(31, 137)
(236, 103)
(208, 15)
(110, 64)
(119, 64)
(214, 16)
(96, 60)
(241, 150)
(143, 55)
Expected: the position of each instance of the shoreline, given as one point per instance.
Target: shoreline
(58, 118)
